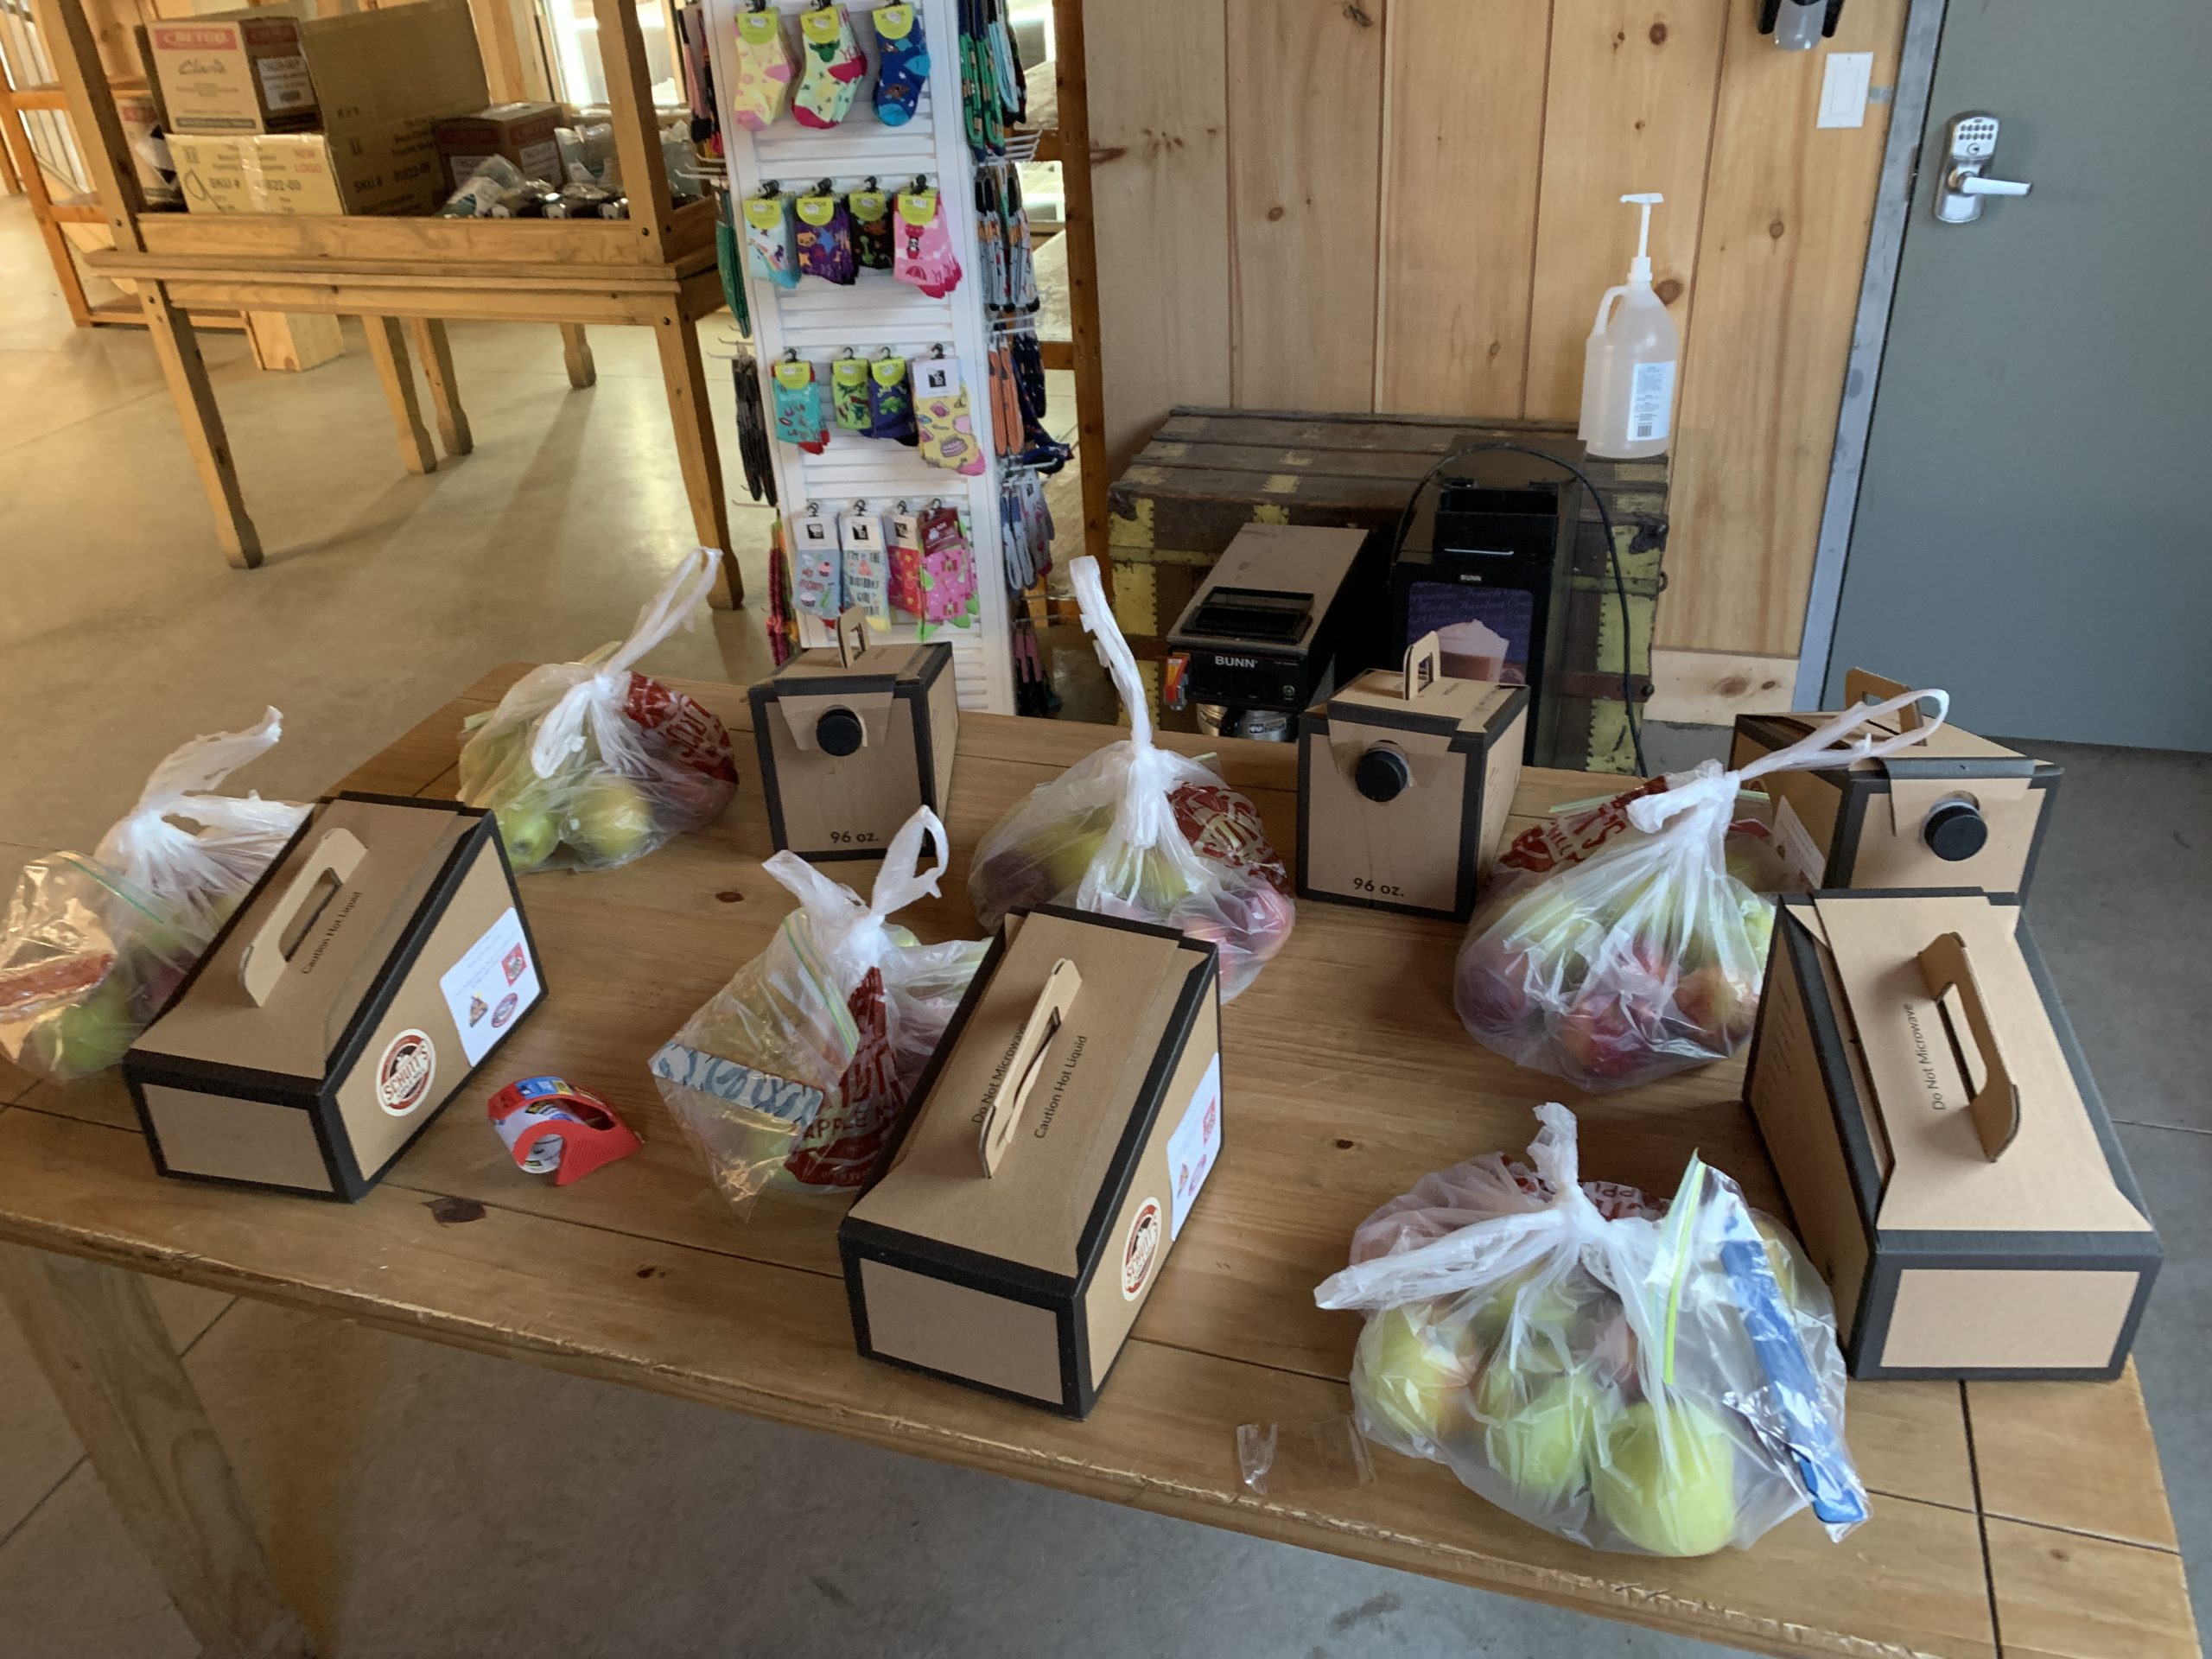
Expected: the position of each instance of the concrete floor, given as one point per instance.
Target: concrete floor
(410, 1506)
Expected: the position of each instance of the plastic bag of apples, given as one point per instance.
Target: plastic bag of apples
(1634, 1375)
(93, 947)
(1646, 957)
(588, 765)
(1142, 832)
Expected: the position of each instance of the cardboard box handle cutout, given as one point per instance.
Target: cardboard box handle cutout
(1860, 686)
(1013, 1092)
(852, 635)
(1995, 1108)
(331, 862)
(1424, 665)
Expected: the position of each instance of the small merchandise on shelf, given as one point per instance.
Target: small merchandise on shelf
(902, 62)
(762, 67)
(521, 133)
(753, 429)
(834, 66)
(1653, 1378)
(797, 394)
(921, 245)
(865, 564)
(771, 237)
(94, 946)
(588, 765)
(825, 236)
(995, 94)
(948, 434)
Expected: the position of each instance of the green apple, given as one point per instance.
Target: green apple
(1537, 1313)
(608, 819)
(1411, 1370)
(92, 1035)
(1538, 1428)
(1672, 1492)
(530, 832)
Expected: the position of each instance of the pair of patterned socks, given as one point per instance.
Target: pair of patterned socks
(764, 66)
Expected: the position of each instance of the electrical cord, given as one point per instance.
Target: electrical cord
(1613, 559)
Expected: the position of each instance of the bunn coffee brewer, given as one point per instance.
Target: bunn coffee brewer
(1288, 612)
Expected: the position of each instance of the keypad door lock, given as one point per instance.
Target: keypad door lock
(1970, 147)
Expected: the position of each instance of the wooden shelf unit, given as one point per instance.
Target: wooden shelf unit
(655, 270)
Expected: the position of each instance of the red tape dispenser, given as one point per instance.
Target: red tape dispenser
(550, 1124)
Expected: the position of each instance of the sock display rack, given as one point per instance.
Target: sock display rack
(820, 320)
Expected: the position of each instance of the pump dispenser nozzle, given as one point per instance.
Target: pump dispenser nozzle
(1640, 270)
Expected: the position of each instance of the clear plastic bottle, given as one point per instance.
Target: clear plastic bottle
(1629, 364)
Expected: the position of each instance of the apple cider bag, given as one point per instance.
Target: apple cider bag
(1646, 957)
(587, 764)
(94, 946)
(1140, 832)
(1653, 1376)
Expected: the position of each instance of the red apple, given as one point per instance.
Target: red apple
(1599, 1043)
(1717, 1010)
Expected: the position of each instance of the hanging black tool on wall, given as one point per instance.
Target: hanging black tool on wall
(1799, 25)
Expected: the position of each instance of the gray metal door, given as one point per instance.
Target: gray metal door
(2034, 526)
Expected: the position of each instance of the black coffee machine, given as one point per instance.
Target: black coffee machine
(1288, 614)
(1492, 542)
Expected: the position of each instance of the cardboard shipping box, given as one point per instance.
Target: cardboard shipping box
(378, 962)
(384, 79)
(1947, 1160)
(396, 63)
(1020, 1218)
(1956, 811)
(391, 170)
(232, 72)
(853, 740)
(1405, 779)
(522, 133)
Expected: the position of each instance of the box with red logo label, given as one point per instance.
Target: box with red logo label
(382, 959)
(1048, 1160)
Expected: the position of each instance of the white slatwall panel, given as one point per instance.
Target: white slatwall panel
(820, 319)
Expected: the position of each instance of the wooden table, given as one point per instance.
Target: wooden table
(655, 270)
(2021, 1519)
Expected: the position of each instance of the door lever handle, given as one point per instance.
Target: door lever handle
(1973, 184)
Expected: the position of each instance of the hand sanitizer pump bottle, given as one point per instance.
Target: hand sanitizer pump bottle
(1628, 366)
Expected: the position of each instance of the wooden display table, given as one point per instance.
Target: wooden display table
(2032, 1513)
(655, 270)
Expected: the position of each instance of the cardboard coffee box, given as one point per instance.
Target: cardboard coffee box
(1018, 1222)
(232, 72)
(382, 958)
(386, 170)
(1947, 1160)
(522, 133)
(1957, 811)
(1405, 779)
(852, 740)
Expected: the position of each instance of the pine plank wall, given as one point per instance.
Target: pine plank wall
(1410, 206)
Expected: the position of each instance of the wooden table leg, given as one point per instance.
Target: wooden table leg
(178, 348)
(389, 347)
(95, 1334)
(576, 351)
(685, 373)
(445, 391)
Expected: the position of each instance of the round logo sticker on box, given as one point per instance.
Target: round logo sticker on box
(1140, 1249)
(404, 1073)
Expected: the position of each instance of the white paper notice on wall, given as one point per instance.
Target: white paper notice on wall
(1846, 78)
